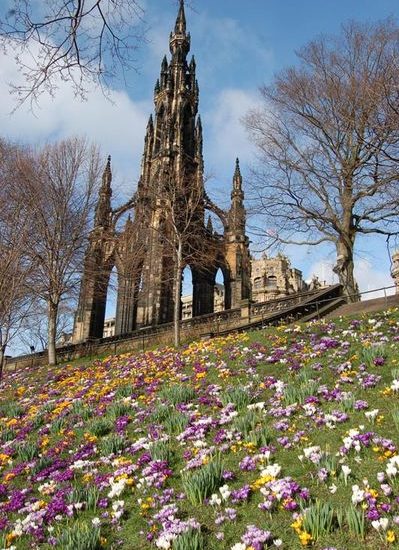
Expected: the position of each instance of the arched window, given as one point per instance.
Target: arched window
(271, 282)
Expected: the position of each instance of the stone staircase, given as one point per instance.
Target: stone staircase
(366, 306)
(312, 306)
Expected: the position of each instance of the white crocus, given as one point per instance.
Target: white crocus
(346, 472)
(215, 500)
(225, 491)
(371, 415)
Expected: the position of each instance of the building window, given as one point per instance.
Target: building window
(271, 282)
(258, 282)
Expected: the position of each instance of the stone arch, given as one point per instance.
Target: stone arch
(111, 303)
(222, 269)
(187, 292)
(101, 280)
(130, 281)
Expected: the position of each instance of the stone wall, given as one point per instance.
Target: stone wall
(192, 329)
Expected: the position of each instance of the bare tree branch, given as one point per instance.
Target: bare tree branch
(79, 41)
(328, 143)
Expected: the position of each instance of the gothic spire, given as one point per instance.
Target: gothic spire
(237, 179)
(180, 40)
(237, 210)
(150, 124)
(103, 208)
(180, 26)
(107, 176)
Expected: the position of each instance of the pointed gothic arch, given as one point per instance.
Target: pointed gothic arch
(222, 276)
(186, 307)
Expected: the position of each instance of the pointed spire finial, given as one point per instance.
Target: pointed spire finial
(180, 26)
(107, 176)
(237, 179)
(103, 207)
(238, 166)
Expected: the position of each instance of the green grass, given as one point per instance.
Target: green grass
(234, 380)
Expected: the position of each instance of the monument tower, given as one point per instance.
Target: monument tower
(144, 251)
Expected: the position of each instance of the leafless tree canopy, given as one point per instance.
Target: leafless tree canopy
(58, 190)
(328, 143)
(79, 41)
(15, 267)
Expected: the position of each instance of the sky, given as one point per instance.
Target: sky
(238, 46)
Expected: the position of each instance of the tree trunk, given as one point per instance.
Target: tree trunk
(2, 354)
(344, 269)
(176, 313)
(52, 330)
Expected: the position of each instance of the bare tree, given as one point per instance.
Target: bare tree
(79, 41)
(183, 208)
(33, 333)
(59, 187)
(15, 267)
(328, 142)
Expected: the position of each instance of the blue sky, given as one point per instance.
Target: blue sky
(238, 46)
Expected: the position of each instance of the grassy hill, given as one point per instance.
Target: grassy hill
(284, 438)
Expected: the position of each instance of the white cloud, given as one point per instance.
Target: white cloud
(224, 133)
(368, 276)
(218, 43)
(117, 126)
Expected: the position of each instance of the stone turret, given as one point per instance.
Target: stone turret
(103, 209)
(237, 244)
(237, 210)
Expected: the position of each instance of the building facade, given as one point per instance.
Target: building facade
(273, 277)
(168, 228)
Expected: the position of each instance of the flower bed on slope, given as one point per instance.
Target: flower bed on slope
(284, 438)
